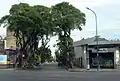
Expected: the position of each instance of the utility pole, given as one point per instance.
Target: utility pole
(96, 39)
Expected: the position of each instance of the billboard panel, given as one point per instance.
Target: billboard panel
(3, 59)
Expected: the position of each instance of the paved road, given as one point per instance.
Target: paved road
(52, 73)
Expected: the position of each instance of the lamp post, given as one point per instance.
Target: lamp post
(96, 38)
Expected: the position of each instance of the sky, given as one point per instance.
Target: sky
(108, 17)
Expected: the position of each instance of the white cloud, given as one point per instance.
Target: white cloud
(91, 3)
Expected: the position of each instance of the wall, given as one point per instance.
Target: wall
(79, 52)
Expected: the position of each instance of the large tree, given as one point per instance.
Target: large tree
(30, 24)
(66, 18)
(19, 23)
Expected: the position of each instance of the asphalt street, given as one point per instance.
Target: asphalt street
(53, 73)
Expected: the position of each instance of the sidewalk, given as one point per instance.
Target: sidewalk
(7, 69)
(93, 70)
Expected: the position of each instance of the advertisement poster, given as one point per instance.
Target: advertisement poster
(3, 59)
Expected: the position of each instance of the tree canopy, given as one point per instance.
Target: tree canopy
(32, 24)
(66, 18)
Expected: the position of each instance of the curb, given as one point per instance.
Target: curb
(74, 70)
(84, 70)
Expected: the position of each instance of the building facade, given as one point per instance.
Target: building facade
(86, 53)
(10, 47)
(10, 40)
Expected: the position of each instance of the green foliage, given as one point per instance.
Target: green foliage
(51, 59)
(37, 58)
(29, 24)
(32, 24)
(45, 53)
(66, 18)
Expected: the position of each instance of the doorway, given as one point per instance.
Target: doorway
(106, 60)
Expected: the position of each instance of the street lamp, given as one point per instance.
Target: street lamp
(98, 66)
